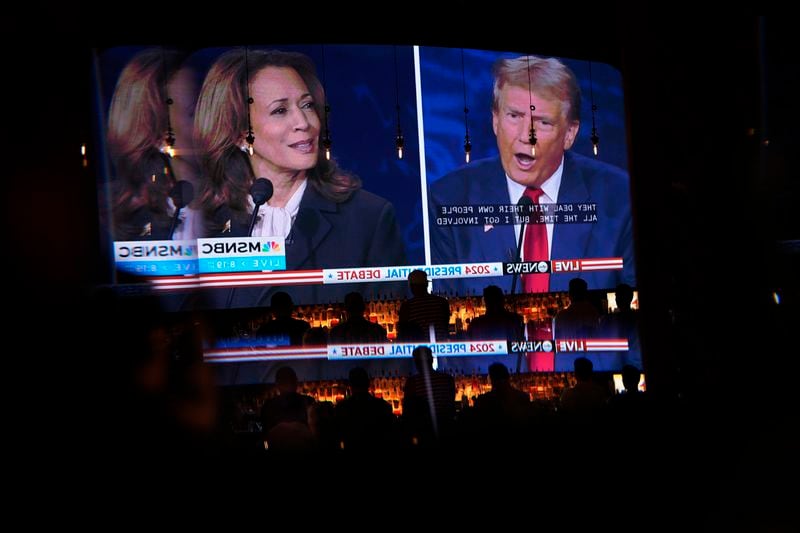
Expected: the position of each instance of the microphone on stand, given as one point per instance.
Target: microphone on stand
(523, 201)
(261, 191)
(182, 194)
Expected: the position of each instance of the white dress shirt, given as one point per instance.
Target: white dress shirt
(277, 221)
(550, 189)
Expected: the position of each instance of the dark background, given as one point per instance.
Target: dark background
(712, 114)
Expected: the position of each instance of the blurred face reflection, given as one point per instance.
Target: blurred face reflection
(183, 89)
(512, 125)
(285, 123)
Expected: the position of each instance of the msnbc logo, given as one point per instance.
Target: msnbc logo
(271, 246)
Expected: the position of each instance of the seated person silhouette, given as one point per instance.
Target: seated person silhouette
(365, 422)
(498, 323)
(356, 328)
(586, 398)
(579, 319)
(425, 309)
(504, 410)
(429, 400)
(283, 328)
(285, 418)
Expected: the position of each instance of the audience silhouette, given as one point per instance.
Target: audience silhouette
(429, 401)
(503, 412)
(498, 323)
(427, 311)
(586, 398)
(365, 422)
(285, 329)
(356, 328)
(285, 418)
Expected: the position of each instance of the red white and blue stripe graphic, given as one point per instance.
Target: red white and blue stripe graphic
(264, 353)
(397, 351)
(607, 263)
(356, 275)
(243, 279)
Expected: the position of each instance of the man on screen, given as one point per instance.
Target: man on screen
(553, 175)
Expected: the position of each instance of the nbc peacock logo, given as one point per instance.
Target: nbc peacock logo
(271, 246)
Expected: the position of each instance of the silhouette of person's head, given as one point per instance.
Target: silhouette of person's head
(494, 299)
(624, 295)
(408, 331)
(359, 380)
(583, 369)
(418, 282)
(286, 380)
(578, 289)
(630, 378)
(498, 374)
(315, 336)
(423, 358)
(354, 305)
(282, 304)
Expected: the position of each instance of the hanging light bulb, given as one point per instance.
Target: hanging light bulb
(326, 143)
(169, 143)
(326, 140)
(250, 139)
(399, 143)
(594, 138)
(467, 143)
(168, 147)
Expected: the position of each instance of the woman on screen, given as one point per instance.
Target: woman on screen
(325, 217)
(149, 143)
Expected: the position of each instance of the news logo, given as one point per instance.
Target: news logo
(544, 346)
(527, 267)
(243, 254)
(156, 258)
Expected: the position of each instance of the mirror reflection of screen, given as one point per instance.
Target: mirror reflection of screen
(190, 137)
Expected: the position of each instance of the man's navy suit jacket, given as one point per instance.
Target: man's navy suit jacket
(583, 180)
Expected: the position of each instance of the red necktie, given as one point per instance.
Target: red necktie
(535, 249)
